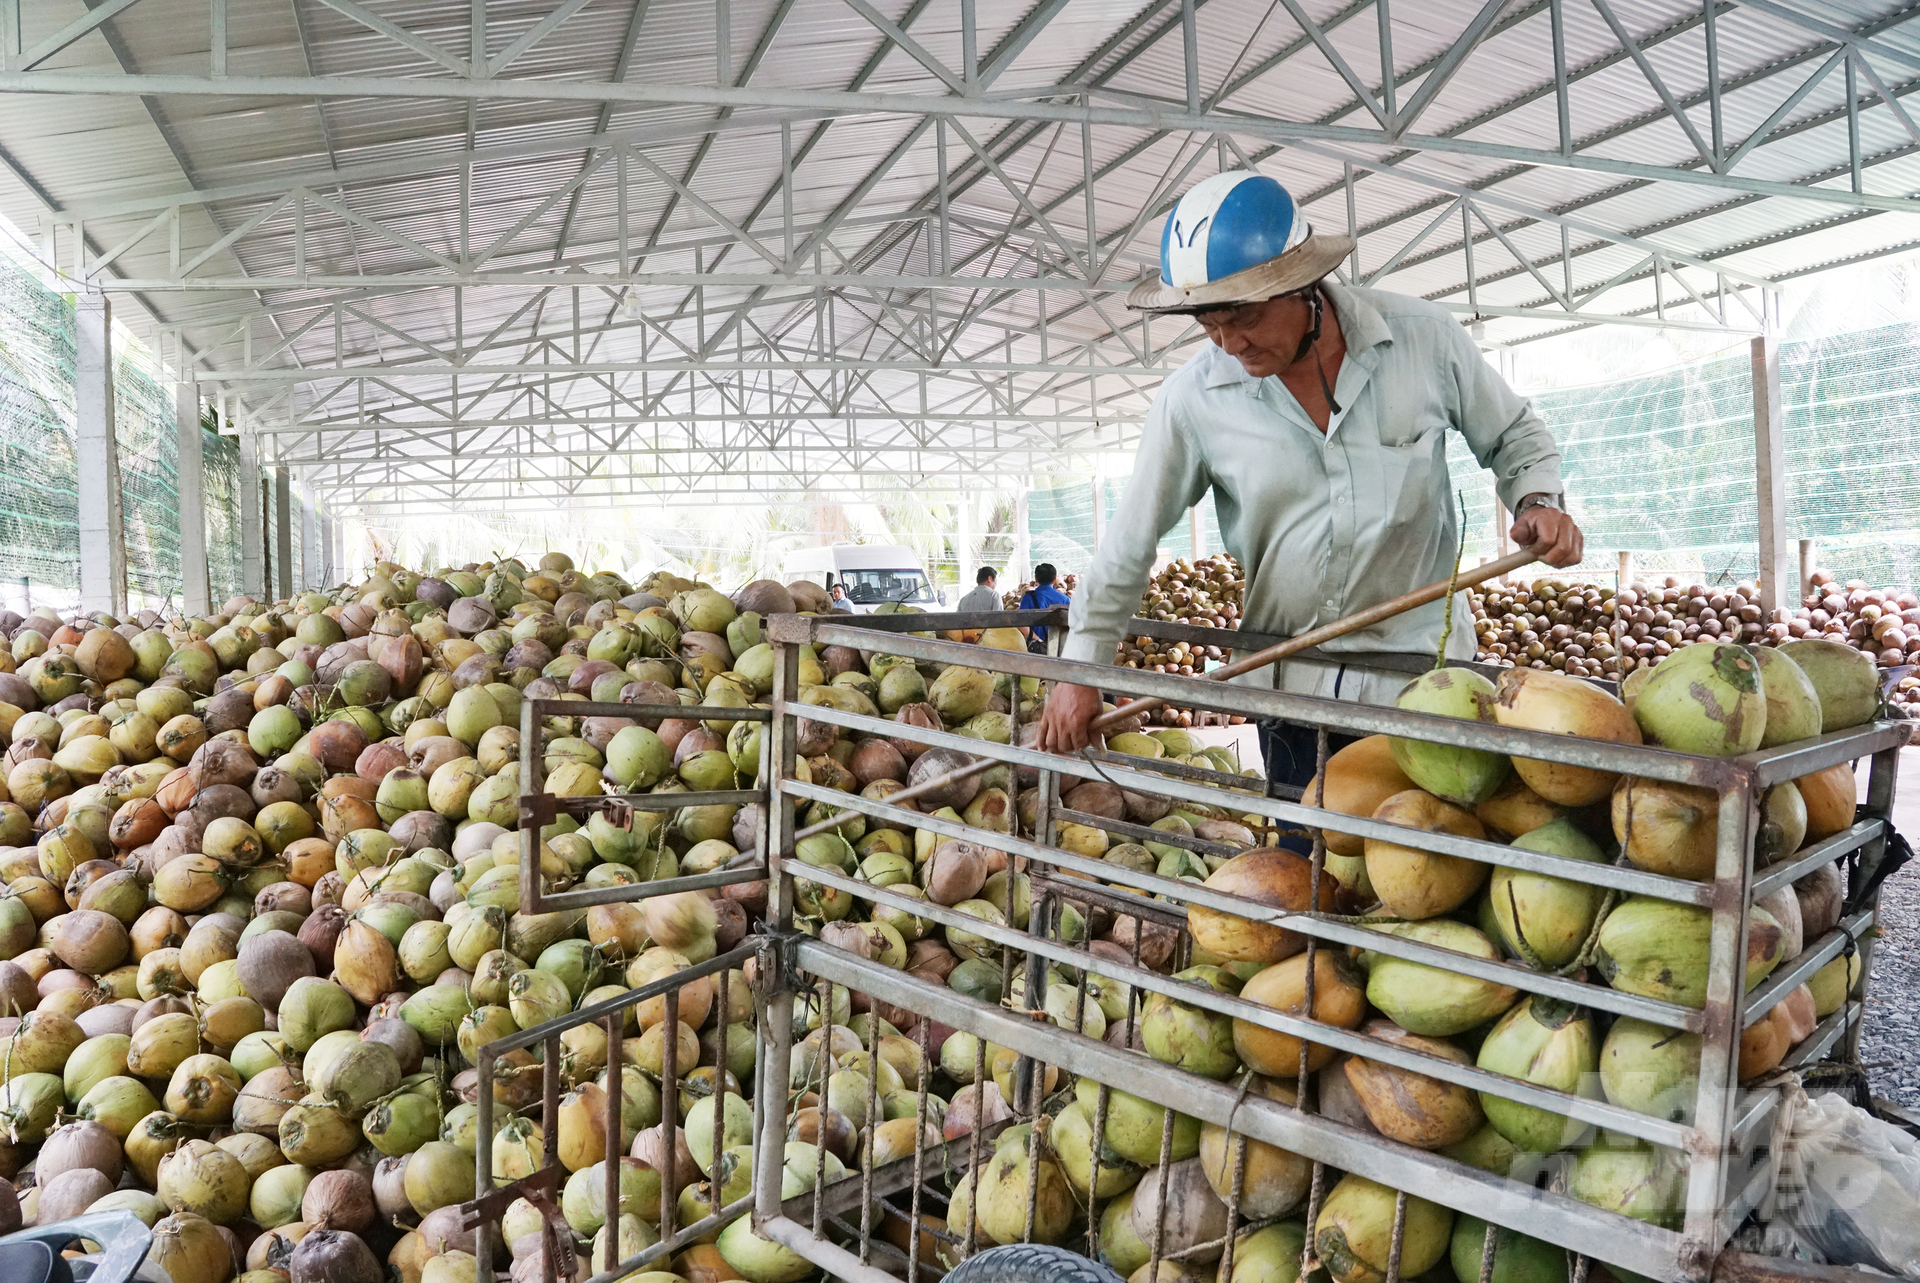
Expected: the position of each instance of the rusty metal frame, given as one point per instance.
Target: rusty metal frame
(538, 807)
(611, 1015)
(1723, 1114)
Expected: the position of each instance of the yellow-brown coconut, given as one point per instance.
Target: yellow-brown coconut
(1423, 884)
(1278, 879)
(1339, 998)
(1410, 1107)
(1666, 828)
(1358, 779)
(1275, 1180)
(1535, 700)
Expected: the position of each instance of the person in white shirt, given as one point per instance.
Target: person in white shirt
(984, 595)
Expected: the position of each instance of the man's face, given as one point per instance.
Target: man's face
(1262, 336)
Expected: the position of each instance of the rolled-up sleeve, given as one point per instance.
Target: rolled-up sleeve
(1169, 477)
(1501, 428)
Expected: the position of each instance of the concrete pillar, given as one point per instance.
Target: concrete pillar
(338, 573)
(283, 532)
(1099, 489)
(1197, 531)
(1809, 551)
(103, 545)
(1770, 473)
(195, 595)
(310, 556)
(965, 547)
(253, 552)
(1021, 569)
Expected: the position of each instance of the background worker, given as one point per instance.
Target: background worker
(1042, 596)
(1318, 416)
(983, 596)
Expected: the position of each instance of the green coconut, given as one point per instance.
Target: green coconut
(1269, 1255)
(1548, 1043)
(402, 1123)
(901, 685)
(1190, 1037)
(1465, 776)
(1071, 1137)
(472, 714)
(1636, 1180)
(1119, 1246)
(1658, 949)
(1353, 1235)
(1847, 681)
(757, 1259)
(1651, 1069)
(959, 693)
(1793, 705)
(1546, 920)
(1427, 1000)
(1517, 1257)
(1134, 1126)
(1705, 699)
(1489, 1151)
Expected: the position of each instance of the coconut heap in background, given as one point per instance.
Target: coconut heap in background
(1204, 593)
(261, 908)
(1588, 630)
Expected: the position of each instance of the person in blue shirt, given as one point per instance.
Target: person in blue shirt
(1044, 596)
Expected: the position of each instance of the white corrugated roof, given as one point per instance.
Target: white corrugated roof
(333, 218)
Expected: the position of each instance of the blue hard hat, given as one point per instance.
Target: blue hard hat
(1236, 225)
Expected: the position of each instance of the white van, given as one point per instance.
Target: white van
(873, 574)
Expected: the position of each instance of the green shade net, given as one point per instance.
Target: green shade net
(39, 511)
(1662, 467)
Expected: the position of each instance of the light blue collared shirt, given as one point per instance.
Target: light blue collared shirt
(1323, 525)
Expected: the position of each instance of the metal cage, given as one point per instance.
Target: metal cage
(851, 1228)
(538, 808)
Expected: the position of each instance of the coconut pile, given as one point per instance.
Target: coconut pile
(1588, 630)
(1095, 1166)
(261, 907)
(1204, 593)
(262, 903)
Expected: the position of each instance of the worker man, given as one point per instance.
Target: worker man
(1318, 416)
(1042, 596)
(983, 597)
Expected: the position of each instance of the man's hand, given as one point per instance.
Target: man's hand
(1551, 534)
(1063, 724)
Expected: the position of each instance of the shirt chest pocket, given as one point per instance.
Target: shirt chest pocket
(1411, 467)
(1409, 427)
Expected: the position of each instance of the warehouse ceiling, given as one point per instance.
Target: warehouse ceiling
(512, 254)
